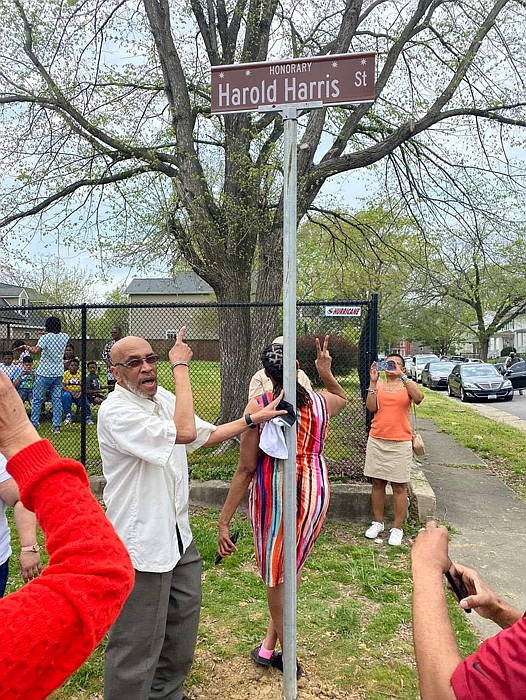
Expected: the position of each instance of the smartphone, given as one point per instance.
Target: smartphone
(457, 585)
(385, 365)
(233, 539)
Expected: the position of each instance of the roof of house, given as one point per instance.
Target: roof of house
(184, 283)
(13, 290)
(7, 315)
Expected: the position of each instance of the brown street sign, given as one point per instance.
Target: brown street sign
(331, 80)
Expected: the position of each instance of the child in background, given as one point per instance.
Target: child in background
(7, 366)
(72, 392)
(24, 379)
(93, 387)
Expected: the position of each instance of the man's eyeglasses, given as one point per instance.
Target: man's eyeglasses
(137, 362)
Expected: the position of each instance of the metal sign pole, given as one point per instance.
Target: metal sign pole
(290, 126)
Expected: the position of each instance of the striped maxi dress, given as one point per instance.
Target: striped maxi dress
(265, 500)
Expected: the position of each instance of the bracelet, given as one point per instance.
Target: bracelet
(249, 422)
(371, 391)
(180, 362)
(30, 548)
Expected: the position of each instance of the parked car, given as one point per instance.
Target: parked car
(457, 358)
(516, 374)
(420, 361)
(435, 374)
(408, 361)
(475, 381)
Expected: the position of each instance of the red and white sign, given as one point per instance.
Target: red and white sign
(343, 311)
(331, 80)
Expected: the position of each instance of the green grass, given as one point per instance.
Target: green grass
(503, 446)
(354, 611)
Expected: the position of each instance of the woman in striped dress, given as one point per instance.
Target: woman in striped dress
(261, 472)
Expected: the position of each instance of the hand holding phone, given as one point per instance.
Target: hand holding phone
(233, 539)
(385, 365)
(457, 585)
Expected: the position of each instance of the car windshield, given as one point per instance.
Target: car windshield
(424, 360)
(441, 366)
(475, 370)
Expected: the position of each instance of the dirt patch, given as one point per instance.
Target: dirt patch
(241, 679)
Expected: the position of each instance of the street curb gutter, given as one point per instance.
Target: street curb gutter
(348, 501)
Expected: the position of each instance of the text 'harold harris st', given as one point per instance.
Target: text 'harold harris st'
(313, 81)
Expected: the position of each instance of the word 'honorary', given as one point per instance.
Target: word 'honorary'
(344, 78)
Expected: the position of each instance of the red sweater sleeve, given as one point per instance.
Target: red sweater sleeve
(497, 670)
(51, 625)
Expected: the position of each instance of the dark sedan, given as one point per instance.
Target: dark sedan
(474, 381)
(516, 374)
(435, 374)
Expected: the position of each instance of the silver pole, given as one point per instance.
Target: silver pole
(289, 384)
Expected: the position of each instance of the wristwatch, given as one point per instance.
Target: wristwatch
(404, 378)
(31, 548)
(249, 422)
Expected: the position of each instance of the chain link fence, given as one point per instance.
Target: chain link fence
(63, 387)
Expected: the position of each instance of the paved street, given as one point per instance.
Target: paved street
(512, 412)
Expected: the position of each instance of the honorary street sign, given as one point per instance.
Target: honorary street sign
(331, 80)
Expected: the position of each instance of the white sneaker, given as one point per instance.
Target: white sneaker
(395, 536)
(374, 530)
(67, 419)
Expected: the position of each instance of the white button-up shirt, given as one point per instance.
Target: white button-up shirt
(146, 493)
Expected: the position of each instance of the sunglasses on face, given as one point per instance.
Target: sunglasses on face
(137, 362)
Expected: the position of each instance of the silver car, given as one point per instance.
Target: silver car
(420, 361)
(435, 374)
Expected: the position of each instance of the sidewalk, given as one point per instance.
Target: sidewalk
(489, 519)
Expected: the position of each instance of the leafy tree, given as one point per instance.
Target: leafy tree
(99, 326)
(477, 266)
(65, 286)
(341, 256)
(107, 108)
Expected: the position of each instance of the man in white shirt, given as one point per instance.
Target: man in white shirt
(144, 433)
(262, 384)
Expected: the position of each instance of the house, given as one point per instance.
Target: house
(19, 322)
(183, 298)
(512, 335)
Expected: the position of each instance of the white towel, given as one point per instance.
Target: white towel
(272, 439)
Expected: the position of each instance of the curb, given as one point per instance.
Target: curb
(348, 501)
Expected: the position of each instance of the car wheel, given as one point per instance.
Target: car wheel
(463, 396)
(508, 398)
(449, 392)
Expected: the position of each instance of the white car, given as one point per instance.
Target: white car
(420, 361)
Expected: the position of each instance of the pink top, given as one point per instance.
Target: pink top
(391, 420)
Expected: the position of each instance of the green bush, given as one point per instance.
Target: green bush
(344, 356)
(506, 351)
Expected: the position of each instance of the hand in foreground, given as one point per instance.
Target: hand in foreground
(30, 565)
(480, 597)
(268, 412)
(323, 360)
(180, 352)
(225, 546)
(430, 549)
(16, 432)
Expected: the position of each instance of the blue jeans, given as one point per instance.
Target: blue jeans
(54, 386)
(4, 571)
(68, 400)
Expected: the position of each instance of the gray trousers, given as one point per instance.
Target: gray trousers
(151, 644)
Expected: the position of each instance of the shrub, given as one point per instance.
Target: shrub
(344, 356)
(506, 351)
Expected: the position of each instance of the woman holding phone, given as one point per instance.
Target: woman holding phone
(389, 452)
